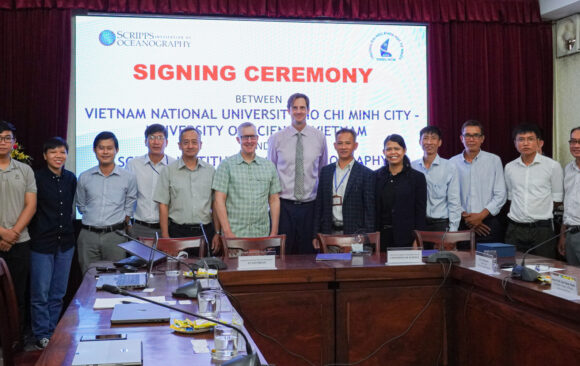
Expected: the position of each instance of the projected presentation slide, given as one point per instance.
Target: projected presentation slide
(215, 74)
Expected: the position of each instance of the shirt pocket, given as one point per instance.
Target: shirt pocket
(438, 190)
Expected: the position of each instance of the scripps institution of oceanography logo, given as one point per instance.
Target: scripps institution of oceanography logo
(107, 37)
(386, 46)
(126, 38)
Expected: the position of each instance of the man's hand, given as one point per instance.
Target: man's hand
(482, 230)
(316, 244)
(562, 245)
(4, 246)
(9, 235)
(473, 220)
(216, 244)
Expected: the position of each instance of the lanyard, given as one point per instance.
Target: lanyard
(336, 187)
(155, 170)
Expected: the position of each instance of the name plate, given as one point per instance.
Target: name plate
(257, 262)
(356, 248)
(485, 263)
(564, 284)
(395, 257)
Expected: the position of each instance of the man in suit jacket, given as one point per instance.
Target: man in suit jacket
(346, 192)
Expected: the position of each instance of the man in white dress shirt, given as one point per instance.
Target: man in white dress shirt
(534, 184)
(147, 169)
(569, 244)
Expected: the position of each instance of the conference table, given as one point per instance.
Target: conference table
(160, 344)
(308, 312)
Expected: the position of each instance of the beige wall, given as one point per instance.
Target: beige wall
(566, 103)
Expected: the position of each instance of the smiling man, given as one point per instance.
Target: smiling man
(245, 187)
(569, 244)
(345, 201)
(147, 169)
(105, 196)
(534, 185)
(481, 183)
(443, 198)
(299, 152)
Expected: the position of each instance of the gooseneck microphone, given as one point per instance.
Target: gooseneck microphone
(251, 359)
(527, 274)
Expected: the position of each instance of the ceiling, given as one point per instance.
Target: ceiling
(558, 9)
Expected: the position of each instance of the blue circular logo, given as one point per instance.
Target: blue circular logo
(107, 37)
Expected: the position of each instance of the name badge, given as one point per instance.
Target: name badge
(336, 200)
(564, 284)
(404, 256)
(485, 263)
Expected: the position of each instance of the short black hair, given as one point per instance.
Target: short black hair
(190, 128)
(574, 129)
(154, 128)
(7, 126)
(106, 135)
(53, 143)
(395, 138)
(525, 128)
(295, 96)
(431, 130)
(473, 123)
(345, 130)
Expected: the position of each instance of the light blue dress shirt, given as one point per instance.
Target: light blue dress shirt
(106, 200)
(481, 182)
(443, 195)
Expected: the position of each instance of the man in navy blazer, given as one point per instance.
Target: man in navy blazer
(345, 202)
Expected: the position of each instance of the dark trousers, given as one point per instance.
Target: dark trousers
(496, 234)
(297, 223)
(18, 261)
(186, 231)
(525, 237)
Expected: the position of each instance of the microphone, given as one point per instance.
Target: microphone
(211, 262)
(443, 256)
(189, 289)
(527, 274)
(251, 359)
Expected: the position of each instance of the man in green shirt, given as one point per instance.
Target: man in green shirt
(245, 186)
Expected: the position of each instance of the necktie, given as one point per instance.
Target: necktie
(299, 170)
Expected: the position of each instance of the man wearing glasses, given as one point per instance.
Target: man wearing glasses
(299, 152)
(184, 192)
(18, 198)
(245, 186)
(535, 184)
(482, 185)
(569, 245)
(147, 169)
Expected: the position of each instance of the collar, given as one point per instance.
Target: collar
(181, 164)
(436, 161)
(239, 159)
(348, 166)
(295, 132)
(97, 170)
(164, 160)
(537, 160)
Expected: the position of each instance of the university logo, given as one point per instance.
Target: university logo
(386, 46)
(107, 37)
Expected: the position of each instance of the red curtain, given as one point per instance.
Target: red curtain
(487, 59)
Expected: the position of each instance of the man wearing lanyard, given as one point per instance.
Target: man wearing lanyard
(299, 152)
(147, 169)
(346, 192)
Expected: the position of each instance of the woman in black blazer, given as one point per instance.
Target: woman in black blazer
(401, 196)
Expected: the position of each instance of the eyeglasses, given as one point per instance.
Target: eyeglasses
(574, 142)
(470, 136)
(249, 137)
(156, 138)
(526, 139)
(7, 138)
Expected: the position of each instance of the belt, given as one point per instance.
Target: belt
(531, 225)
(151, 226)
(387, 227)
(430, 220)
(104, 229)
(188, 226)
(296, 202)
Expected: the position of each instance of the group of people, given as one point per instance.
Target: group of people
(293, 192)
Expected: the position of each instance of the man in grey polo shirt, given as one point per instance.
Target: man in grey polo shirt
(184, 192)
(147, 169)
(534, 184)
(245, 186)
(569, 244)
(18, 198)
(105, 197)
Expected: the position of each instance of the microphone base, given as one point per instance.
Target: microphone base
(243, 360)
(525, 274)
(188, 290)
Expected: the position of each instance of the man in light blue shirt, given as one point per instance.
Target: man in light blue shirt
(443, 199)
(481, 183)
(105, 196)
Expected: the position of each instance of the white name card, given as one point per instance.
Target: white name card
(395, 257)
(257, 262)
(484, 262)
(564, 284)
(356, 248)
